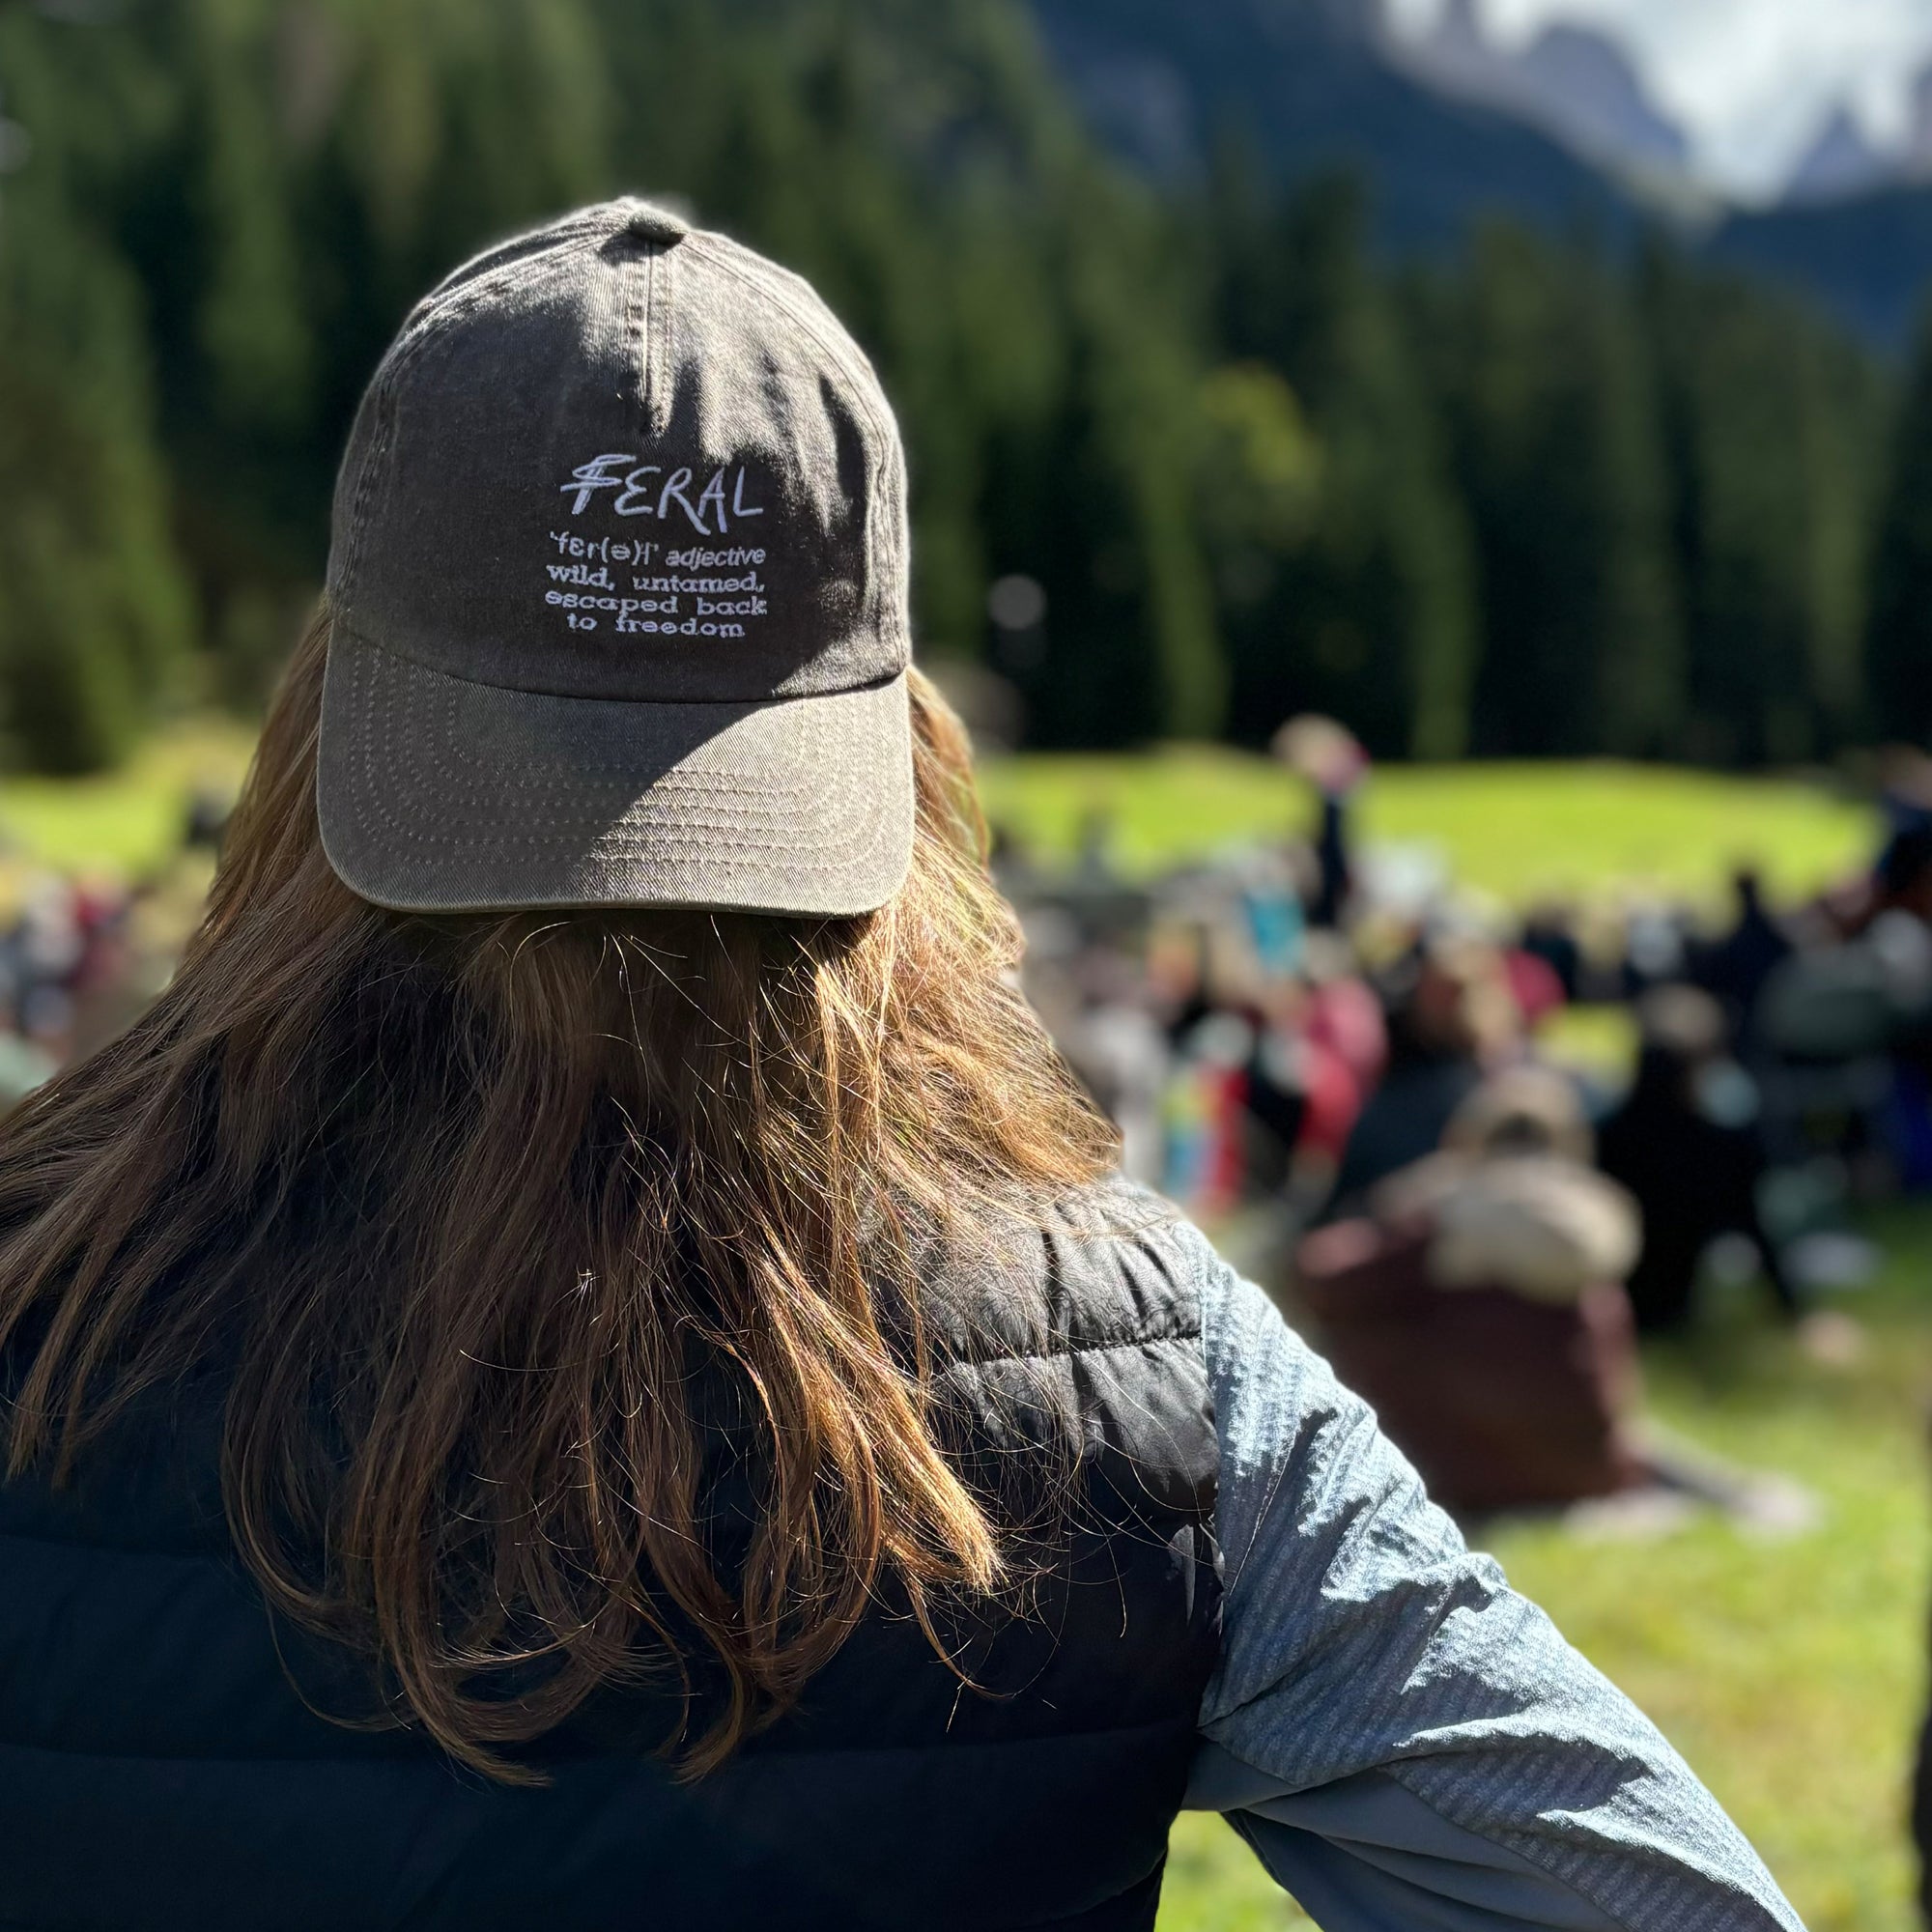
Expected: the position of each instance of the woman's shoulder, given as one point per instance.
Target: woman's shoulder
(1109, 1264)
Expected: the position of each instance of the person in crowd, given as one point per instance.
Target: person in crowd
(1535, 987)
(24, 1065)
(1111, 1041)
(1657, 943)
(206, 819)
(1899, 881)
(585, 1362)
(1904, 877)
(1736, 970)
(1550, 934)
(1343, 1048)
(1479, 1305)
(1331, 759)
(1905, 794)
(1451, 1020)
(1684, 1142)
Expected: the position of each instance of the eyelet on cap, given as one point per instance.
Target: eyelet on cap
(648, 223)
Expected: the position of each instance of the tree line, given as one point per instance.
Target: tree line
(1221, 461)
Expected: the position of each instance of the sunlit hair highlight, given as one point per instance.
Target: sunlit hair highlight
(470, 1212)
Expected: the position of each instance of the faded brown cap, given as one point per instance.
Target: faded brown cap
(619, 588)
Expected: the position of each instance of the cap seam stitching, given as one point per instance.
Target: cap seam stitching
(636, 280)
(657, 419)
(760, 703)
(417, 337)
(367, 679)
(568, 230)
(568, 241)
(612, 840)
(862, 380)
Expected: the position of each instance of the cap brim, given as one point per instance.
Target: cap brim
(439, 795)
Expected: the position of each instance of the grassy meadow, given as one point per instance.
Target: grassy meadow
(1789, 1672)
(1512, 831)
(126, 822)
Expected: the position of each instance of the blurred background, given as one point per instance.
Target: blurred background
(1426, 506)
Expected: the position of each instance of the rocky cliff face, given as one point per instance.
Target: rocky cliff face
(1577, 85)
(1309, 85)
(1561, 132)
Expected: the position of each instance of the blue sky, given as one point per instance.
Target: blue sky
(1751, 79)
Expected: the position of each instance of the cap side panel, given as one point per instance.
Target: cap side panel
(428, 326)
(888, 531)
(812, 318)
(354, 484)
(436, 313)
(589, 223)
(799, 298)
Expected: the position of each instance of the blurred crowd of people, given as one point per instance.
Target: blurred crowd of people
(80, 954)
(1372, 1101)
(1370, 1097)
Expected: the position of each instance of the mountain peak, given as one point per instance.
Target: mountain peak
(1840, 163)
(1572, 81)
(1314, 86)
(1591, 83)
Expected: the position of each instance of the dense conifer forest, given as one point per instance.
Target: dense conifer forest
(1546, 494)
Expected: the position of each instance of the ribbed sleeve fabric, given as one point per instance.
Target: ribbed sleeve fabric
(1405, 1740)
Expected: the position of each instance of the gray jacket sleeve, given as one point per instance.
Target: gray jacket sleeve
(1403, 1740)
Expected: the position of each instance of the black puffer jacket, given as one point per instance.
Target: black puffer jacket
(159, 1767)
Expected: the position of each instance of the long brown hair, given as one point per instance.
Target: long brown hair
(464, 1207)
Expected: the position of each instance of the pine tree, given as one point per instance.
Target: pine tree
(95, 608)
(1253, 468)
(1540, 369)
(1370, 618)
(1771, 424)
(1899, 641)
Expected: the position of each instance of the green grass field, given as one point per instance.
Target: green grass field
(124, 821)
(1515, 831)
(1791, 1674)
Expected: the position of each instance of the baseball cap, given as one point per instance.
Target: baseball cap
(618, 588)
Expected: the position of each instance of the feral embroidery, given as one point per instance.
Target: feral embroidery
(687, 590)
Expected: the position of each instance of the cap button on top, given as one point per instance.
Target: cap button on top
(657, 224)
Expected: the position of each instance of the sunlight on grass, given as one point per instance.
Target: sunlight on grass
(1214, 1884)
(1790, 1674)
(1516, 831)
(126, 821)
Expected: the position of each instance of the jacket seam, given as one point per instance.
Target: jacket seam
(1397, 1771)
(1107, 1345)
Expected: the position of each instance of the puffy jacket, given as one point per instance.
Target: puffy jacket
(162, 1766)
